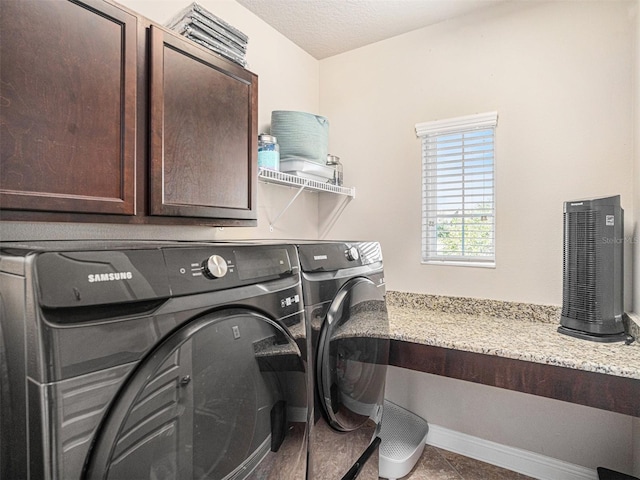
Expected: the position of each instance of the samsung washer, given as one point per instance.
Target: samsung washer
(344, 298)
(138, 360)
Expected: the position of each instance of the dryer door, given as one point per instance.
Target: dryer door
(353, 354)
(222, 397)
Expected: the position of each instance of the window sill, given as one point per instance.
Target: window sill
(460, 264)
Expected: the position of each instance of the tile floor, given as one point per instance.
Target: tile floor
(438, 464)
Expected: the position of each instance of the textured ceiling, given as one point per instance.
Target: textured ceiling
(324, 28)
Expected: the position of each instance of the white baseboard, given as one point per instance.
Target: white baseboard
(528, 463)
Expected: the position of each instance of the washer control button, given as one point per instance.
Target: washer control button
(214, 267)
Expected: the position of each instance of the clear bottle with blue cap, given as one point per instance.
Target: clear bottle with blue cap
(268, 152)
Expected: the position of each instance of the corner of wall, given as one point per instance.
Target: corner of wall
(635, 12)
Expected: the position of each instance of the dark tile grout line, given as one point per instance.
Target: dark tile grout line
(454, 469)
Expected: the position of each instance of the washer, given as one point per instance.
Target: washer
(137, 360)
(344, 296)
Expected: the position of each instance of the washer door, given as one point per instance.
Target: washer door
(210, 402)
(353, 354)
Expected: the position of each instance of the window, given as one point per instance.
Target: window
(458, 190)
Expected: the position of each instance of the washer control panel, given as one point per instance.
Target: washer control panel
(200, 269)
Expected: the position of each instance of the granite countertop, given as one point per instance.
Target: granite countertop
(506, 329)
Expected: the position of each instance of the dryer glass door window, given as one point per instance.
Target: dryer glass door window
(352, 362)
(213, 401)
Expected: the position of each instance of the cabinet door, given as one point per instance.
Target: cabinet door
(203, 126)
(67, 109)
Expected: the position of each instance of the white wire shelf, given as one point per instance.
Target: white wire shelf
(281, 178)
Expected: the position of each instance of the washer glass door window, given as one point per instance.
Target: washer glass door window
(352, 364)
(210, 402)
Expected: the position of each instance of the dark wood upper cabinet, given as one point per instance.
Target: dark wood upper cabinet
(67, 107)
(108, 117)
(203, 132)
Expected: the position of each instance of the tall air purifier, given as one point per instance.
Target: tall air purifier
(592, 296)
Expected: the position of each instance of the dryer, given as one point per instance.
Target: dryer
(344, 297)
(138, 360)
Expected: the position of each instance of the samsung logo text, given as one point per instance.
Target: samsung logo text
(109, 277)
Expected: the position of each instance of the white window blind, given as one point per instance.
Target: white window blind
(458, 190)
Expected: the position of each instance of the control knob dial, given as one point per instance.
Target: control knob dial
(214, 267)
(352, 254)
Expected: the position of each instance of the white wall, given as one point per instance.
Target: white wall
(558, 73)
(288, 79)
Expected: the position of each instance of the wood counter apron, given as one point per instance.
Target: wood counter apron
(511, 346)
(599, 390)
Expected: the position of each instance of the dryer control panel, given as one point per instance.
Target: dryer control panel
(334, 256)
